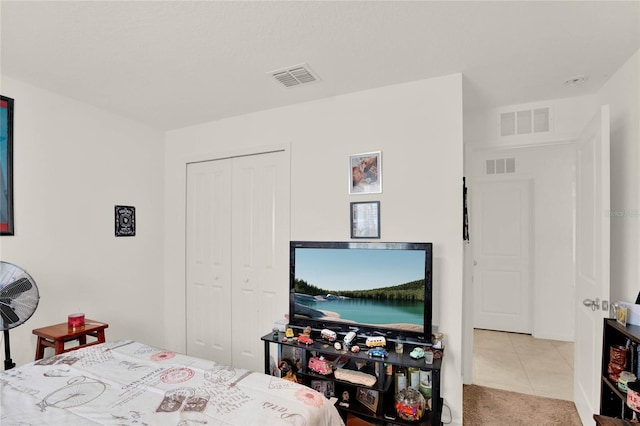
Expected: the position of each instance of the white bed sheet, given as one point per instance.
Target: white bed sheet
(130, 383)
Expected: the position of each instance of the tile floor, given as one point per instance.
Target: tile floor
(520, 363)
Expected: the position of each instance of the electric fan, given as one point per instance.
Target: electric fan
(18, 301)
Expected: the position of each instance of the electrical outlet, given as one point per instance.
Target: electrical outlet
(605, 305)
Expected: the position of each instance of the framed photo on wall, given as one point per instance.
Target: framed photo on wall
(365, 219)
(6, 165)
(365, 173)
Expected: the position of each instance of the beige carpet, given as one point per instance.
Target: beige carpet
(494, 407)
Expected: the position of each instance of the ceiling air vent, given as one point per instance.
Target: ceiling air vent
(295, 76)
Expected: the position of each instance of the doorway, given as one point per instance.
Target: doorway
(547, 175)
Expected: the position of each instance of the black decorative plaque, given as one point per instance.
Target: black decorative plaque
(125, 221)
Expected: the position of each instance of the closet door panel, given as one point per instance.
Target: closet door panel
(260, 252)
(208, 242)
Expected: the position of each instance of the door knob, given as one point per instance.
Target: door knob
(593, 304)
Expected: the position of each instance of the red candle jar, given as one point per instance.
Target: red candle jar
(76, 320)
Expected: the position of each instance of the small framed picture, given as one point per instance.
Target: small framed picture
(365, 219)
(621, 314)
(368, 398)
(125, 221)
(365, 173)
(325, 387)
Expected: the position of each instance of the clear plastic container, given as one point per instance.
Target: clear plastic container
(410, 404)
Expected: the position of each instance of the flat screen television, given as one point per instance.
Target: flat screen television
(372, 288)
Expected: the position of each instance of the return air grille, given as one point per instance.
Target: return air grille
(524, 122)
(500, 166)
(295, 76)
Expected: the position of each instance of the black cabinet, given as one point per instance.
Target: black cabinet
(612, 399)
(384, 387)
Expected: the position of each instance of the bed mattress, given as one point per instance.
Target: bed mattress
(130, 383)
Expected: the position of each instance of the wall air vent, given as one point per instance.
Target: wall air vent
(295, 76)
(525, 122)
(500, 166)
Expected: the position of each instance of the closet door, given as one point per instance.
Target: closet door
(260, 252)
(237, 279)
(208, 258)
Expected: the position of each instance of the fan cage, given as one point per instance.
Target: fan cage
(19, 296)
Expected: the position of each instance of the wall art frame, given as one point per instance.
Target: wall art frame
(125, 221)
(368, 398)
(365, 219)
(365, 173)
(6, 166)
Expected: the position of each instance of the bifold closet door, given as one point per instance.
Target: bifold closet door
(237, 256)
(260, 252)
(208, 260)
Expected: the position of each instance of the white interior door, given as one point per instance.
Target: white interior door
(208, 258)
(592, 260)
(260, 253)
(502, 255)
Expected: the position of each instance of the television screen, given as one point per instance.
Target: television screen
(380, 288)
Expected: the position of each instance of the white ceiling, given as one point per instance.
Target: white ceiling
(171, 64)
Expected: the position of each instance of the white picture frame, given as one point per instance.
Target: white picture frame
(365, 173)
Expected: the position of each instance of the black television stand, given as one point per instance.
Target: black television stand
(384, 411)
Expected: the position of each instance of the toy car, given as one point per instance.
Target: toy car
(381, 352)
(375, 341)
(303, 338)
(349, 338)
(329, 335)
(320, 365)
(417, 353)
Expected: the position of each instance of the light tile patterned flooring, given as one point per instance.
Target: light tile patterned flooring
(520, 363)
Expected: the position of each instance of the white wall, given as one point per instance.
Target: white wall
(568, 117)
(622, 93)
(418, 128)
(72, 164)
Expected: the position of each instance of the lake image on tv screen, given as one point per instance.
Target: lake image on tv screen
(377, 287)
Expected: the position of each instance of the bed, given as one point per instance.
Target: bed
(130, 383)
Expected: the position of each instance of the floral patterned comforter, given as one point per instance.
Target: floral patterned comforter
(130, 383)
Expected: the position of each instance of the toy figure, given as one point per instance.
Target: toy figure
(286, 371)
(345, 399)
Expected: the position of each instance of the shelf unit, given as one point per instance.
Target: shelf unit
(612, 400)
(384, 384)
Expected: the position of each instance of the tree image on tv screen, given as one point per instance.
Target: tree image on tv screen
(411, 291)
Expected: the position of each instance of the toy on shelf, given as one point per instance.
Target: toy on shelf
(304, 338)
(349, 338)
(376, 341)
(417, 353)
(287, 371)
(329, 335)
(320, 365)
(379, 352)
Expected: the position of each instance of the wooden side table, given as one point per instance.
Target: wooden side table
(55, 336)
